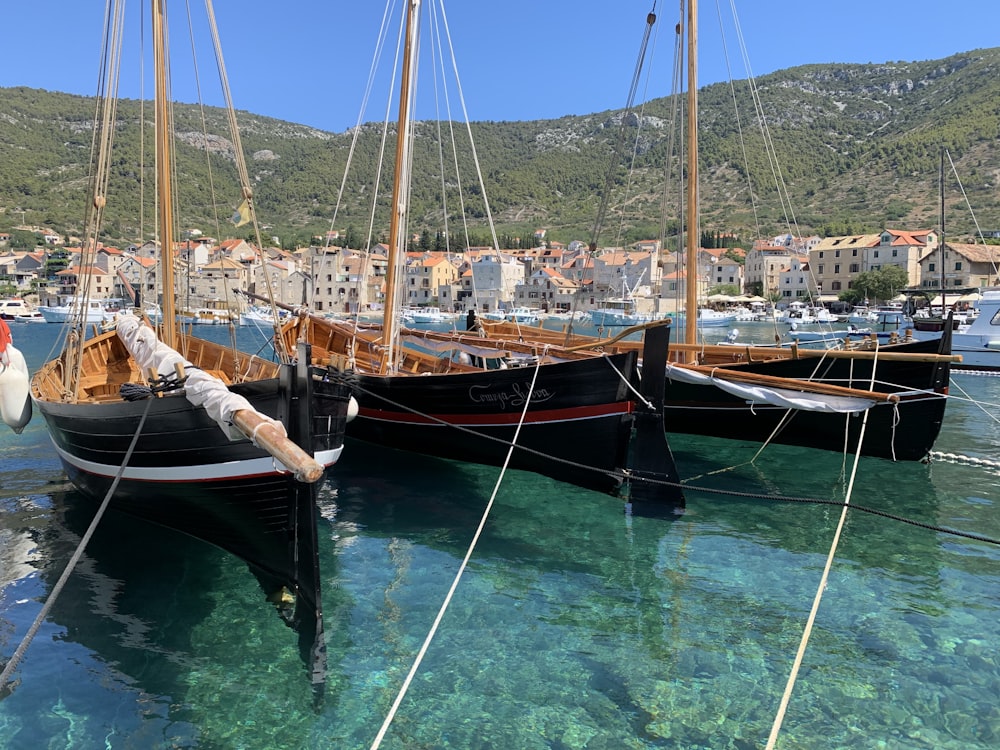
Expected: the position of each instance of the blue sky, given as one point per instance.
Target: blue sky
(307, 61)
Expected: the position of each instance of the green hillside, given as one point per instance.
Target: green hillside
(857, 147)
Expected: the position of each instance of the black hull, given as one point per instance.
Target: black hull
(576, 429)
(904, 432)
(186, 474)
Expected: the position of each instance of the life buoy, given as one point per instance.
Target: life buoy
(15, 397)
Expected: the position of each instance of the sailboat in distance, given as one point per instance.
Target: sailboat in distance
(195, 436)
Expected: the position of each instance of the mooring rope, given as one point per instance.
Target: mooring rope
(77, 554)
(458, 575)
(621, 376)
(978, 404)
(685, 484)
(807, 631)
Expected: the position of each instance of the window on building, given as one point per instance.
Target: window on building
(854, 252)
(930, 266)
(855, 267)
(958, 265)
(835, 286)
(836, 268)
(820, 269)
(895, 252)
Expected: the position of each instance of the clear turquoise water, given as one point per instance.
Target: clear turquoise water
(574, 626)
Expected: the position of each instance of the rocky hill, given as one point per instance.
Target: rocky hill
(855, 147)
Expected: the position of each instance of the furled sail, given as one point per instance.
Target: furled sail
(233, 413)
(784, 397)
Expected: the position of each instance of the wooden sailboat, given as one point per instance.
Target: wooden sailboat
(186, 433)
(579, 414)
(579, 418)
(915, 373)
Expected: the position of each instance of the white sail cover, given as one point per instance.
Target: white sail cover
(200, 388)
(758, 394)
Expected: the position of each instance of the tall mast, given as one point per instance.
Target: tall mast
(692, 236)
(163, 159)
(400, 192)
(941, 238)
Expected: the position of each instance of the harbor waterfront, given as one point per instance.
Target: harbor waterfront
(574, 626)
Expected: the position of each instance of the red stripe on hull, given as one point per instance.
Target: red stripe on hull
(506, 418)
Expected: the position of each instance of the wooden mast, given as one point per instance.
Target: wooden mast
(163, 178)
(944, 314)
(400, 192)
(692, 237)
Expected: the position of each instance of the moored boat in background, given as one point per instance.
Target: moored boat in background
(11, 309)
(89, 310)
(978, 343)
(31, 317)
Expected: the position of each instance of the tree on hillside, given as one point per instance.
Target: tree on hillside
(22, 239)
(734, 256)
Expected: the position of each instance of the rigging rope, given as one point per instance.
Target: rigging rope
(458, 575)
(77, 554)
(786, 697)
(685, 484)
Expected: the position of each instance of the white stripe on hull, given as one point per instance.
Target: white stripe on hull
(195, 472)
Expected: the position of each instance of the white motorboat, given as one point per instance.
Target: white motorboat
(30, 317)
(91, 310)
(260, 315)
(418, 315)
(10, 309)
(522, 315)
(979, 341)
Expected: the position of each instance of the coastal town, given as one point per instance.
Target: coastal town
(518, 415)
(551, 278)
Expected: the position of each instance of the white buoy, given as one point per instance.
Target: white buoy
(15, 400)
